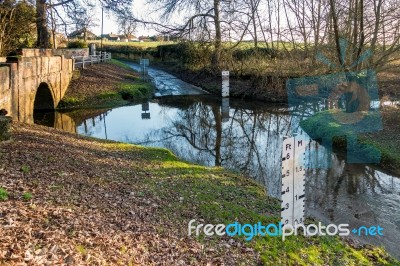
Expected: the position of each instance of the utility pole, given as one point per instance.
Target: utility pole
(102, 28)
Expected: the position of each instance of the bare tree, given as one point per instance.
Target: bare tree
(199, 14)
(127, 24)
(43, 6)
(83, 19)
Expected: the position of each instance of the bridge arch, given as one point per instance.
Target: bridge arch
(43, 106)
(43, 98)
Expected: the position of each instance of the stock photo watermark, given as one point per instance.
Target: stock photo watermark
(250, 231)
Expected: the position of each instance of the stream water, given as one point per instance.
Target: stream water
(247, 137)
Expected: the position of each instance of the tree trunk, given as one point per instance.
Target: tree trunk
(53, 29)
(43, 38)
(253, 18)
(218, 128)
(218, 35)
(362, 35)
(355, 31)
(336, 31)
(377, 12)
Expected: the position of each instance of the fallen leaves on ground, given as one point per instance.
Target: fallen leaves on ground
(88, 208)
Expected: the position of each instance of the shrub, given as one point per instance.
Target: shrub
(77, 44)
(124, 49)
(186, 53)
(246, 54)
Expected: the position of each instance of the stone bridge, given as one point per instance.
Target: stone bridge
(35, 81)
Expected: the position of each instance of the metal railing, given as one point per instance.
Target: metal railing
(83, 61)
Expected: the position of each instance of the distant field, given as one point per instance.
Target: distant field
(243, 45)
(137, 44)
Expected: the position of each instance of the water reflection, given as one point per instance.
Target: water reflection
(55, 119)
(248, 137)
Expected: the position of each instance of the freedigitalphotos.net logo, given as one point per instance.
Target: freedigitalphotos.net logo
(249, 231)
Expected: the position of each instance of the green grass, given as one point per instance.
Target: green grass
(219, 196)
(139, 90)
(132, 77)
(25, 169)
(3, 194)
(71, 101)
(27, 196)
(120, 64)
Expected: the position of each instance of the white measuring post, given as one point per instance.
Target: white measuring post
(225, 110)
(144, 63)
(145, 109)
(225, 83)
(293, 180)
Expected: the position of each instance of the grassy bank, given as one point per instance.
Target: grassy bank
(385, 141)
(106, 85)
(77, 200)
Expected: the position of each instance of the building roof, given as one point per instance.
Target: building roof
(129, 37)
(111, 36)
(80, 33)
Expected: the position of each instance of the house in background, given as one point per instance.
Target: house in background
(144, 39)
(82, 34)
(111, 37)
(129, 38)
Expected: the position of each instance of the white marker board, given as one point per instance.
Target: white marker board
(293, 180)
(225, 110)
(144, 62)
(225, 83)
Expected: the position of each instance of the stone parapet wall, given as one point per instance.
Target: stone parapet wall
(5, 91)
(67, 53)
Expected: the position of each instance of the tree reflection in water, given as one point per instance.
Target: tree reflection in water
(250, 141)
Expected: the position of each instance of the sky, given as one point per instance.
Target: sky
(139, 9)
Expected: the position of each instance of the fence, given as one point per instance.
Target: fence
(83, 61)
